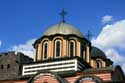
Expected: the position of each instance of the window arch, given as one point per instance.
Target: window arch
(83, 55)
(58, 46)
(98, 64)
(45, 50)
(72, 48)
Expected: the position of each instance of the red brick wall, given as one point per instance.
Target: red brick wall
(51, 79)
(48, 79)
(103, 76)
(19, 81)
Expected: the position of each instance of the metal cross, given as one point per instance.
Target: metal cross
(89, 35)
(62, 14)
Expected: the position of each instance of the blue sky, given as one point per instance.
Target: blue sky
(22, 21)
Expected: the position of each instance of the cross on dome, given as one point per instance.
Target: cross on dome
(62, 14)
(89, 35)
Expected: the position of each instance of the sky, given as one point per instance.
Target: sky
(24, 21)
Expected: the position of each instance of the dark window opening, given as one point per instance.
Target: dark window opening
(83, 51)
(58, 49)
(2, 67)
(71, 49)
(8, 66)
(98, 64)
(45, 51)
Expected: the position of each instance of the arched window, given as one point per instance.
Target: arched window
(45, 49)
(98, 64)
(72, 48)
(83, 55)
(58, 46)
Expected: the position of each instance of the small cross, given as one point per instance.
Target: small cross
(62, 14)
(89, 35)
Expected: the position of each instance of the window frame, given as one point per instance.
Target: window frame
(58, 40)
(43, 57)
(74, 49)
(83, 52)
(99, 62)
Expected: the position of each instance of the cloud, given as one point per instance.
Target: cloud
(25, 48)
(0, 43)
(106, 19)
(111, 40)
(112, 35)
(123, 67)
(114, 55)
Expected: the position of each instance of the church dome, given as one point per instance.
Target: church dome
(96, 52)
(62, 28)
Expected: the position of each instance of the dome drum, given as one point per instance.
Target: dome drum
(64, 37)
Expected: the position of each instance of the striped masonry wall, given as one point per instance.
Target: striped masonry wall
(55, 66)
